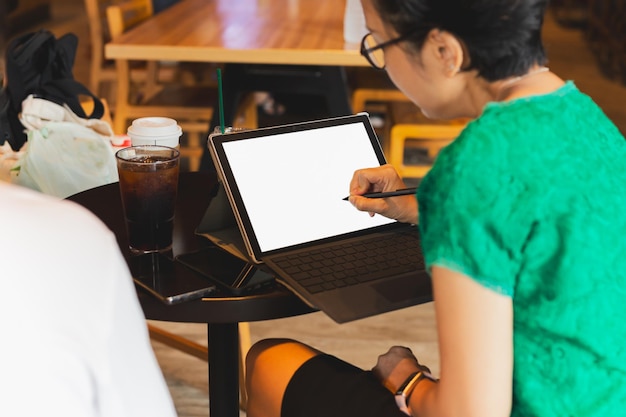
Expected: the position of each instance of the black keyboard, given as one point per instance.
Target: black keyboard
(353, 262)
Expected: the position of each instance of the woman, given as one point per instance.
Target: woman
(523, 227)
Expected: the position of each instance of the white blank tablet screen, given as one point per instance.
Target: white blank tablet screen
(293, 184)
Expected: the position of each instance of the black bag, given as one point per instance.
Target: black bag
(37, 63)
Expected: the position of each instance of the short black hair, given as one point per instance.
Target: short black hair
(501, 37)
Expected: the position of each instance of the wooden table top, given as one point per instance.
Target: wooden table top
(299, 32)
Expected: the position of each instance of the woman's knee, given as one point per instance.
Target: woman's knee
(273, 350)
(261, 346)
(270, 365)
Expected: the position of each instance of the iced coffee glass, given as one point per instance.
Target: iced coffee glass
(148, 185)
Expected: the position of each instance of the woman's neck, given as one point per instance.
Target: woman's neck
(537, 81)
(479, 92)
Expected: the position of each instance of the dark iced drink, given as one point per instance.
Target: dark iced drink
(148, 185)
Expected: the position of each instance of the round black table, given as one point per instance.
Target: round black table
(221, 312)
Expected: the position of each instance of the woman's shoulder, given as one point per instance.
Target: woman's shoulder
(517, 132)
(566, 104)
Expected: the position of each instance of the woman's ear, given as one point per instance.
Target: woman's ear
(448, 51)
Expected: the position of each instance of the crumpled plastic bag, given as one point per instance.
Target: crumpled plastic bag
(65, 157)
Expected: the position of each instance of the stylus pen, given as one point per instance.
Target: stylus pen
(403, 191)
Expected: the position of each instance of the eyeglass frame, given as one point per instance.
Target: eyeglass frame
(365, 52)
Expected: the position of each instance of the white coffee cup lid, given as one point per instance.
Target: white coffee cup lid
(155, 131)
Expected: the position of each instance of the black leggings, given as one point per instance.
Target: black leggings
(325, 386)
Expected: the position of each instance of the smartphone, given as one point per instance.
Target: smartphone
(168, 280)
(227, 271)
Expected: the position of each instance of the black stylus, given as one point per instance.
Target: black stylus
(403, 191)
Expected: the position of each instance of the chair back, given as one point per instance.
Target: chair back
(190, 105)
(98, 36)
(429, 138)
(125, 15)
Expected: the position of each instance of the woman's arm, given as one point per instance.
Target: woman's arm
(475, 328)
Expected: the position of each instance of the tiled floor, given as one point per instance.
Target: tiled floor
(361, 341)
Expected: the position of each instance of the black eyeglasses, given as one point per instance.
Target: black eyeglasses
(374, 52)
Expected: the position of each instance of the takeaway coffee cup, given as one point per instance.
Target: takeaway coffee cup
(161, 131)
(148, 186)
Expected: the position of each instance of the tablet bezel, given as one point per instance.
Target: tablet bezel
(216, 147)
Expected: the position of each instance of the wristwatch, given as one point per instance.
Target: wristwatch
(406, 388)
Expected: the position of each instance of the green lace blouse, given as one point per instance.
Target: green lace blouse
(530, 201)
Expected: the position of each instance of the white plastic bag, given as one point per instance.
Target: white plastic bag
(62, 158)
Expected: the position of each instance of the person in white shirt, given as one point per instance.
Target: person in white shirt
(74, 341)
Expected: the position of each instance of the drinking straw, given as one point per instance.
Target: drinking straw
(220, 97)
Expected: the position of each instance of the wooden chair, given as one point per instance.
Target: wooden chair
(191, 106)
(102, 74)
(371, 87)
(361, 96)
(428, 138)
(99, 73)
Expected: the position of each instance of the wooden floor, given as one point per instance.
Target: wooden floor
(362, 341)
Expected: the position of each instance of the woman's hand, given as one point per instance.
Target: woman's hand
(395, 366)
(383, 178)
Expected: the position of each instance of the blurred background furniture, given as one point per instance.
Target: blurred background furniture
(191, 106)
(22, 13)
(147, 75)
(327, 84)
(160, 5)
(98, 33)
(570, 13)
(294, 46)
(424, 140)
(604, 25)
(606, 34)
(373, 92)
(102, 73)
